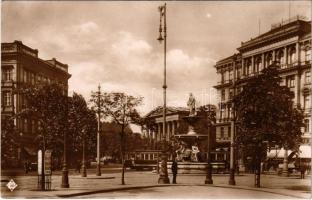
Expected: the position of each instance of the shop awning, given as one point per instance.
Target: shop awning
(304, 152)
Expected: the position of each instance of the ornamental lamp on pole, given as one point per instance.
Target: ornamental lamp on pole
(163, 174)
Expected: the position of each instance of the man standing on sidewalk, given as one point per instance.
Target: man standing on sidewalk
(174, 169)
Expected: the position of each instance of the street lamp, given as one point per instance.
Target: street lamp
(83, 167)
(65, 183)
(209, 169)
(98, 166)
(163, 175)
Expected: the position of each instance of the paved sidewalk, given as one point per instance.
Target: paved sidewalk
(288, 186)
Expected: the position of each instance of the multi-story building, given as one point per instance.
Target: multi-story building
(289, 44)
(21, 67)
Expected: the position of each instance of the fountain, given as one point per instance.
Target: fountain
(188, 153)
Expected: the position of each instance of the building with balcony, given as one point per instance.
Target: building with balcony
(21, 67)
(288, 44)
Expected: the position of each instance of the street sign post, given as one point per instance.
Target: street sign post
(39, 162)
(47, 162)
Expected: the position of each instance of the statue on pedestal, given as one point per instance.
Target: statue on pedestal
(191, 104)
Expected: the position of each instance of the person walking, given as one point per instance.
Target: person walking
(174, 169)
(26, 166)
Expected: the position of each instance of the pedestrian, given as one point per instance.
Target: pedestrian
(26, 168)
(302, 171)
(174, 169)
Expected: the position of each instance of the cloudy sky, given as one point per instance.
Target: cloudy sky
(114, 43)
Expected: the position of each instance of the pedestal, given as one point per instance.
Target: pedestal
(98, 169)
(163, 172)
(83, 170)
(65, 183)
(232, 177)
(209, 175)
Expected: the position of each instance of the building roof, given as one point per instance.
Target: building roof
(19, 47)
(158, 111)
(289, 27)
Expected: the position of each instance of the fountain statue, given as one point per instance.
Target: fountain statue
(188, 150)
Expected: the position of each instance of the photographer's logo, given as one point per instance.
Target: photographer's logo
(11, 185)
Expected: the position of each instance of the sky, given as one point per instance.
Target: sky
(114, 43)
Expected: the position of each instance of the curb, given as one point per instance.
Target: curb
(166, 185)
(110, 190)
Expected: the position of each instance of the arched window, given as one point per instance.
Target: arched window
(292, 54)
(258, 64)
(280, 58)
(269, 59)
(248, 67)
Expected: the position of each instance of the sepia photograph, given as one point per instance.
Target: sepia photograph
(156, 99)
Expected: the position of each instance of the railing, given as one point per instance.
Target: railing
(284, 22)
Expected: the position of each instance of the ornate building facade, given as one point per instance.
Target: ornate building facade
(153, 126)
(21, 67)
(288, 44)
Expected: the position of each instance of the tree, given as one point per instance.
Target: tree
(111, 139)
(82, 125)
(121, 108)
(266, 116)
(9, 142)
(47, 104)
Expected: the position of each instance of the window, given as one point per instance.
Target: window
(306, 125)
(230, 75)
(33, 78)
(25, 76)
(222, 132)
(248, 67)
(222, 113)
(223, 95)
(7, 74)
(292, 54)
(290, 81)
(229, 132)
(231, 93)
(231, 112)
(306, 102)
(258, 65)
(280, 57)
(307, 77)
(7, 99)
(308, 54)
(269, 59)
(222, 77)
(239, 73)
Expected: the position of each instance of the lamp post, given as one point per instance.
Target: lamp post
(232, 163)
(43, 147)
(163, 175)
(65, 183)
(98, 165)
(209, 169)
(83, 166)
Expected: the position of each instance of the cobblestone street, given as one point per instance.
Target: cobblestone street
(144, 185)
